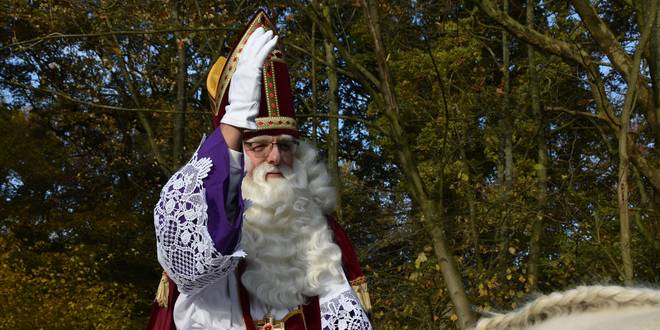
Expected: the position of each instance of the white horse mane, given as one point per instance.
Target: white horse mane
(579, 300)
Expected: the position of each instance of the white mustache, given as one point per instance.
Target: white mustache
(260, 172)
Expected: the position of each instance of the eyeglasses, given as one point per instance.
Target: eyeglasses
(262, 148)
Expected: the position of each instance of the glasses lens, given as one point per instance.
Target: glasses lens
(261, 149)
(287, 146)
(260, 146)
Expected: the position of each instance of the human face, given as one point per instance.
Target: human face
(274, 150)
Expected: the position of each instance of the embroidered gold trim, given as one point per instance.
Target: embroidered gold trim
(358, 281)
(275, 122)
(259, 21)
(272, 103)
(292, 313)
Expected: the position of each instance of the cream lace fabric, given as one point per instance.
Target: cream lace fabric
(344, 312)
(185, 248)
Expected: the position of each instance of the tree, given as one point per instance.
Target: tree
(93, 102)
(639, 91)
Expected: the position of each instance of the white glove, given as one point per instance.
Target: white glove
(245, 87)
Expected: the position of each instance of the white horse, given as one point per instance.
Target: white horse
(584, 308)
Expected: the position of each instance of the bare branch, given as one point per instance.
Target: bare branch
(322, 60)
(57, 35)
(123, 66)
(70, 98)
(351, 118)
(328, 32)
(539, 40)
(611, 46)
(578, 113)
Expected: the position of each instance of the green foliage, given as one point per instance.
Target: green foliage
(87, 142)
(62, 290)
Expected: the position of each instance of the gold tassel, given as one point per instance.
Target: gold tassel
(359, 285)
(163, 291)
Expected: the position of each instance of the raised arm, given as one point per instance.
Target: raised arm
(199, 215)
(245, 88)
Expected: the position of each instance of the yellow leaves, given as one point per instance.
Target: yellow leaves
(483, 291)
(421, 257)
(63, 292)
(463, 176)
(414, 276)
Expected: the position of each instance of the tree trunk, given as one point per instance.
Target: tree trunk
(506, 110)
(181, 75)
(654, 61)
(654, 68)
(622, 194)
(432, 215)
(542, 163)
(573, 53)
(315, 121)
(333, 111)
(622, 187)
(469, 196)
(507, 145)
(628, 104)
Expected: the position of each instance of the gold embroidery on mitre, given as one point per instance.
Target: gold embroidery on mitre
(272, 102)
(260, 20)
(275, 123)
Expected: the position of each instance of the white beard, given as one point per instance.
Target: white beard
(290, 251)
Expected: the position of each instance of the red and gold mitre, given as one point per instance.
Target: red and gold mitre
(276, 114)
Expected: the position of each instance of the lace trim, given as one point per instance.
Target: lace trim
(344, 312)
(185, 248)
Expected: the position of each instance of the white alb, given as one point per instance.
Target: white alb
(185, 248)
(344, 312)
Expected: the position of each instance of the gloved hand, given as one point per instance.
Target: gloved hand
(245, 87)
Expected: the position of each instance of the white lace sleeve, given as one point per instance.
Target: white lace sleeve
(344, 312)
(185, 248)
